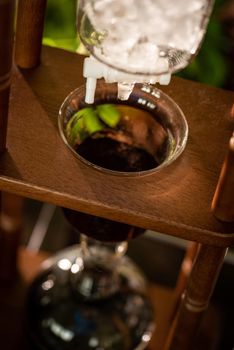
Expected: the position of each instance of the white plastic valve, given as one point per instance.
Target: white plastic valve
(93, 70)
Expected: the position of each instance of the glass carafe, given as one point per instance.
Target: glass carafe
(89, 297)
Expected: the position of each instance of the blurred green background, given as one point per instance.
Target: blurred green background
(212, 65)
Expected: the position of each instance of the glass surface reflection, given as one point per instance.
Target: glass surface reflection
(135, 137)
(98, 303)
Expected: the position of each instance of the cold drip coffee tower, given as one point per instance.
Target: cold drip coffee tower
(90, 296)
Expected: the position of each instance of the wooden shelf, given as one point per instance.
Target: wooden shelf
(175, 201)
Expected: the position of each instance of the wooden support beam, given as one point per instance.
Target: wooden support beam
(29, 31)
(223, 201)
(185, 270)
(196, 298)
(11, 218)
(6, 43)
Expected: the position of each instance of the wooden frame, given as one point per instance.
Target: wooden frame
(184, 190)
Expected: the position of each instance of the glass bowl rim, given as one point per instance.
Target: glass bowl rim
(176, 153)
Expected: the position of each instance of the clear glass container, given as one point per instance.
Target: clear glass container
(89, 297)
(149, 37)
(127, 138)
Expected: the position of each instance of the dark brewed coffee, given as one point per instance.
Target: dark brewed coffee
(120, 138)
(101, 229)
(114, 155)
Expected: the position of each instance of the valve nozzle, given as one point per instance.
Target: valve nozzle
(94, 70)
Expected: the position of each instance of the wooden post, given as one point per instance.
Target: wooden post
(10, 228)
(10, 205)
(29, 30)
(223, 201)
(196, 298)
(185, 270)
(6, 43)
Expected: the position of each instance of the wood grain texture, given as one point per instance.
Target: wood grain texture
(29, 30)
(6, 43)
(174, 201)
